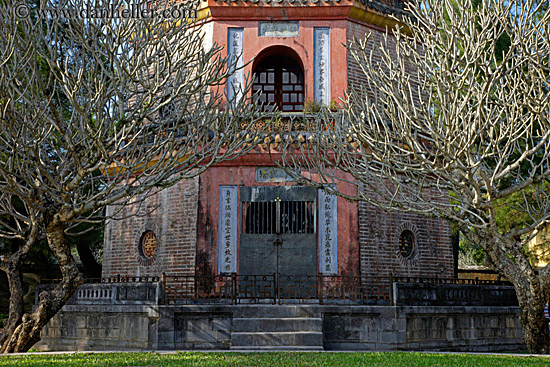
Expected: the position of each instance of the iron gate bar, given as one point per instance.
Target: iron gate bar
(188, 289)
(235, 289)
(278, 216)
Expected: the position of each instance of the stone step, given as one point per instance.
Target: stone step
(277, 339)
(260, 324)
(276, 311)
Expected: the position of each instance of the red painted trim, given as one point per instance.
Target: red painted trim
(346, 18)
(340, 17)
(240, 12)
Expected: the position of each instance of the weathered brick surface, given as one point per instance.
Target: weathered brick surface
(379, 244)
(357, 80)
(357, 31)
(174, 220)
(177, 211)
(379, 230)
(172, 216)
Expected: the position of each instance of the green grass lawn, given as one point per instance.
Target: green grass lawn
(271, 359)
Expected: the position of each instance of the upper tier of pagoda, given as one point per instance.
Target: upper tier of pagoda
(376, 13)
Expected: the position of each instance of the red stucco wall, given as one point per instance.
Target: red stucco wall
(302, 45)
(235, 173)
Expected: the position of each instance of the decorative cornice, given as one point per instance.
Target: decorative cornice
(381, 7)
(282, 2)
(370, 12)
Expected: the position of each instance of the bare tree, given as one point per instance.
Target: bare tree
(102, 110)
(448, 127)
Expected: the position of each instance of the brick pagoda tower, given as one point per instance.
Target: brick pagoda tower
(246, 216)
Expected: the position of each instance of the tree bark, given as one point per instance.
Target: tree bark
(27, 333)
(535, 327)
(532, 299)
(15, 304)
(12, 268)
(531, 286)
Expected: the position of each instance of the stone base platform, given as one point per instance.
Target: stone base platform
(273, 327)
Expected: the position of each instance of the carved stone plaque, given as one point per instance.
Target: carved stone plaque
(278, 29)
(235, 81)
(272, 174)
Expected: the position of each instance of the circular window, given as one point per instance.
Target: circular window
(166, 111)
(148, 244)
(406, 243)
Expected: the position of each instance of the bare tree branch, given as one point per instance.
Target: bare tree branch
(448, 125)
(101, 111)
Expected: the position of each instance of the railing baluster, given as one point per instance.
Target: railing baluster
(274, 287)
(255, 290)
(234, 288)
(212, 289)
(391, 290)
(321, 286)
(162, 288)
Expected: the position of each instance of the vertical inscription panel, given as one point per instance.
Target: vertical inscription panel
(321, 67)
(235, 47)
(227, 230)
(328, 233)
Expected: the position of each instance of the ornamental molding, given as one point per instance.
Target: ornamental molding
(413, 258)
(142, 260)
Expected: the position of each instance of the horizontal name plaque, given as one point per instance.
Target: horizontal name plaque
(278, 29)
(272, 174)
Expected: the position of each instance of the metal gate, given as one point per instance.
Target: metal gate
(278, 234)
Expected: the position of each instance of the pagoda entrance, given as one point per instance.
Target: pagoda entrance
(278, 235)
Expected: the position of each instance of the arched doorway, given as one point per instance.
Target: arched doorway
(280, 77)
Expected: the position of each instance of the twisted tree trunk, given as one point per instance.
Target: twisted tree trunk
(27, 332)
(535, 326)
(532, 299)
(12, 270)
(531, 288)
